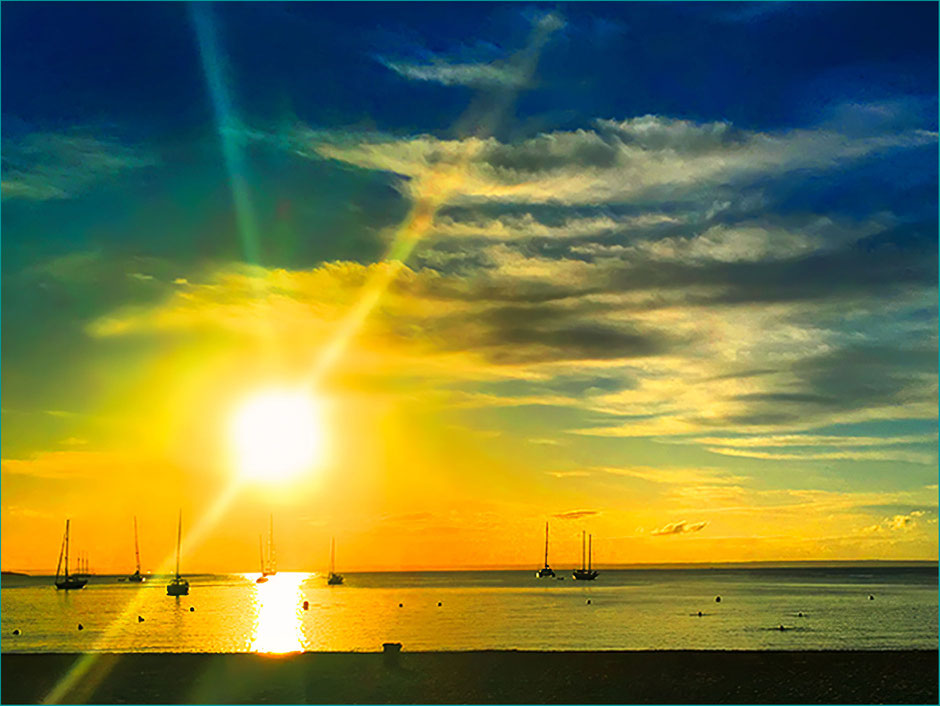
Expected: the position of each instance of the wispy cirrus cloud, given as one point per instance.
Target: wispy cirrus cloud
(576, 514)
(44, 166)
(681, 527)
(618, 160)
(480, 75)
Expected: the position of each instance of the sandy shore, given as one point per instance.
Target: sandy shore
(484, 677)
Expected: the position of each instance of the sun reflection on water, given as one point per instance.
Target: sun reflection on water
(278, 627)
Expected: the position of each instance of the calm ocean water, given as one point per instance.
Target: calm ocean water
(628, 609)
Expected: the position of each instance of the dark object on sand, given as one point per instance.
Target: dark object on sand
(717, 599)
(306, 605)
(390, 652)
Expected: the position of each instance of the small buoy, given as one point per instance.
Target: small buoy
(781, 628)
(871, 598)
(799, 615)
(589, 601)
(306, 605)
(81, 627)
(140, 618)
(192, 609)
(700, 614)
(16, 632)
(438, 604)
(717, 599)
(401, 605)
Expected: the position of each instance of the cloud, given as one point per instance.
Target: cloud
(897, 523)
(681, 527)
(47, 166)
(448, 74)
(65, 465)
(902, 456)
(616, 160)
(576, 514)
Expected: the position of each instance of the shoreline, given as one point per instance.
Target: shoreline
(497, 676)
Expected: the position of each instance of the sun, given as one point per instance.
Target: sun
(277, 435)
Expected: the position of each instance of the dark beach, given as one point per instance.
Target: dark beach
(485, 677)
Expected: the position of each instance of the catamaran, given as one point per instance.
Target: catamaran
(67, 582)
(136, 576)
(585, 573)
(545, 571)
(178, 586)
(334, 579)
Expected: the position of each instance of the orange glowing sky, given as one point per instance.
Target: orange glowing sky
(481, 296)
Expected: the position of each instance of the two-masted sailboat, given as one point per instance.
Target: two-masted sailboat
(178, 586)
(269, 568)
(334, 579)
(136, 577)
(62, 580)
(585, 573)
(545, 571)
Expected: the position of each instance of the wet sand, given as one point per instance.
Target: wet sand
(675, 677)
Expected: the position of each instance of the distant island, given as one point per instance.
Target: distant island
(12, 573)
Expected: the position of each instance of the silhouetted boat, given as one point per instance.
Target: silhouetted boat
(334, 579)
(263, 578)
(178, 586)
(136, 577)
(545, 571)
(585, 573)
(66, 582)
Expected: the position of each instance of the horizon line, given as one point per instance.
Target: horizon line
(768, 563)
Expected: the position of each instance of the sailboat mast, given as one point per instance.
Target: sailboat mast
(332, 555)
(589, 551)
(582, 550)
(261, 551)
(179, 538)
(58, 567)
(67, 548)
(271, 543)
(136, 545)
(546, 545)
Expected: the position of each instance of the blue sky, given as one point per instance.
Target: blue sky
(671, 246)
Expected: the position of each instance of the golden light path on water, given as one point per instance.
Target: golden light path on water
(278, 606)
(432, 192)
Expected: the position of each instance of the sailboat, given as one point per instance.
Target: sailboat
(585, 573)
(178, 586)
(334, 579)
(264, 577)
(67, 582)
(545, 571)
(136, 577)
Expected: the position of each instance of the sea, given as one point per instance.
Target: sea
(793, 608)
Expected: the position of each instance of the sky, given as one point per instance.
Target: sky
(665, 273)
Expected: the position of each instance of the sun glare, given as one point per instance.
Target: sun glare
(277, 435)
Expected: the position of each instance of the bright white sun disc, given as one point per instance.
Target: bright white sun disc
(277, 435)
